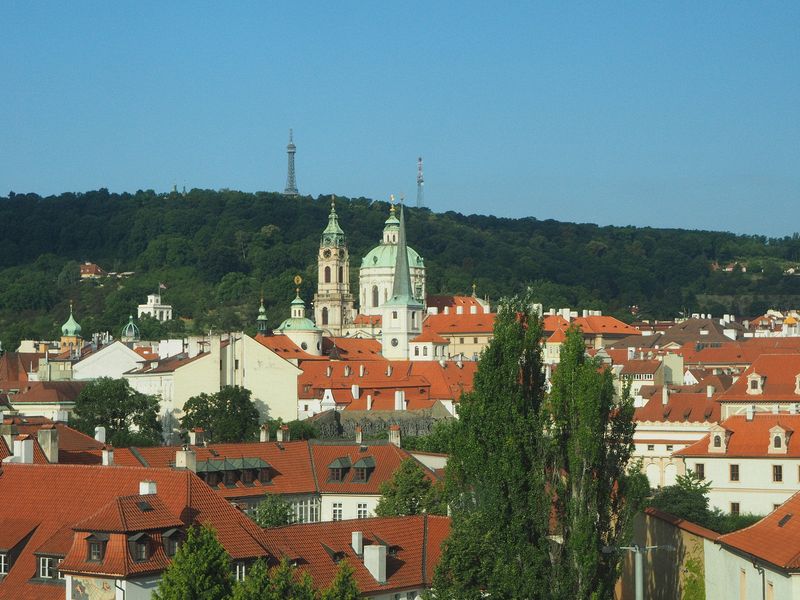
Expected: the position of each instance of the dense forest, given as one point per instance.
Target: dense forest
(218, 251)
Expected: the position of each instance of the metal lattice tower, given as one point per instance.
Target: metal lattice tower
(420, 184)
(291, 184)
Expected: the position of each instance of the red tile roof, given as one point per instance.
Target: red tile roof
(775, 538)
(605, 325)
(285, 347)
(49, 392)
(680, 408)
(353, 348)
(455, 324)
(58, 496)
(428, 335)
(779, 372)
(167, 365)
(371, 320)
(638, 366)
(74, 447)
(440, 302)
(751, 439)
(415, 544)
(129, 513)
(14, 368)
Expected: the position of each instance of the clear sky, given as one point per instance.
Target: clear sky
(677, 114)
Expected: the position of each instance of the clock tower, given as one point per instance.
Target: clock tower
(333, 302)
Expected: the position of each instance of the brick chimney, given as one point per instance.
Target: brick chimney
(48, 440)
(197, 436)
(394, 435)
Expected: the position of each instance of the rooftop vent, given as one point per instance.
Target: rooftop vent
(784, 519)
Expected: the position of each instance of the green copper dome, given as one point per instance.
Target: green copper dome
(131, 330)
(385, 255)
(298, 321)
(71, 327)
(333, 234)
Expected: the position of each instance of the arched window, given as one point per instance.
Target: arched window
(325, 315)
(424, 351)
(375, 299)
(327, 274)
(776, 442)
(416, 350)
(717, 441)
(341, 274)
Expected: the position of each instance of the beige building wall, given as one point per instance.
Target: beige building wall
(271, 379)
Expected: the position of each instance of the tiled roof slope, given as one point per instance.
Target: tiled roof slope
(775, 538)
(59, 496)
(779, 372)
(680, 408)
(751, 439)
(415, 542)
(49, 392)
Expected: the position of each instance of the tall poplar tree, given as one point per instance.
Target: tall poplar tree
(537, 481)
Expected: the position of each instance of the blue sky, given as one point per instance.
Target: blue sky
(678, 114)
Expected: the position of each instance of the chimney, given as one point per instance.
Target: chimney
(358, 542)
(473, 310)
(197, 436)
(631, 353)
(23, 449)
(9, 432)
(282, 434)
(388, 370)
(710, 391)
(585, 313)
(394, 435)
(459, 310)
(186, 458)
(328, 371)
(48, 440)
(369, 401)
(664, 395)
(355, 391)
(347, 370)
(147, 487)
(264, 434)
(360, 370)
(399, 400)
(359, 437)
(749, 413)
(108, 455)
(100, 434)
(375, 562)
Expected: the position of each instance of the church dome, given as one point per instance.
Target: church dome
(298, 321)
(131, 330)
(71, 327)
(385, 255)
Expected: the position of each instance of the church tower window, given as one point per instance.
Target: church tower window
(327, 274)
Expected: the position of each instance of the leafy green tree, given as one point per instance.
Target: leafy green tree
(201, 569)
(273, 511)
(438, 440)
(687, 499)
(130, 417)
(226, 416)
(279, 583)
(594, 494)
(537, 490)
(410, 492)
(343, 586)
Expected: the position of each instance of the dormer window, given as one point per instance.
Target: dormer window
(97, 547)
(139, 547)
(172, 541)
(779, 440)
(717, 441)
(46, 570)
(337, 470)
(717, 444)
(3, 563)
(754, 384)
(363, 469)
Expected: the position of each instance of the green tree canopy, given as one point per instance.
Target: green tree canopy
(343, 586)
(526, 475)
(226, 416)
(200, 570)
(130, 417)
(687, 499)
(279, 583)
(273, 511)
(410, 492)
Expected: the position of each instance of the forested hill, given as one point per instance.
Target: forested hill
(217, 250)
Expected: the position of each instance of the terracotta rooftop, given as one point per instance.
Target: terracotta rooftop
(167, 365)
(779, 373)
(414, 543)
(680, 408)
(284, 347)
(49, 392)
(751, 439)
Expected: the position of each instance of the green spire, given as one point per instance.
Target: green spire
(131, 330)
(261, 320)
(333, 234)
(71, 327)
(402, 292)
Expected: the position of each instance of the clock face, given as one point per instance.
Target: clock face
(327, 254)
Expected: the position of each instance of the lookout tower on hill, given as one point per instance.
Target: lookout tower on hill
(291, 184)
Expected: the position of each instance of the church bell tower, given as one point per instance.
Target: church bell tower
(333, 302)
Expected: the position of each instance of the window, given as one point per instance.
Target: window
(754, 384)
(45, 567)
(700, 471)
(717, 441)
(241, 571)
(362, 510)
(325, 315)
(474, 340)
(95, 551)
(734, 508)
(776, 442)
(360, 474)
(777, 473)
(424, 351)
(460, 340)
(247, 476)
(306, 510)
(734, 469)
(394, 314)
(651, 447)
(341, 274)
(140, 551)
(416, 350)
(327, 274)
(375, 299)
(3, 564)
(60, 574)
(336, 474)
(337, 511)
(669, 447)
(236, 364)
(171, 545)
